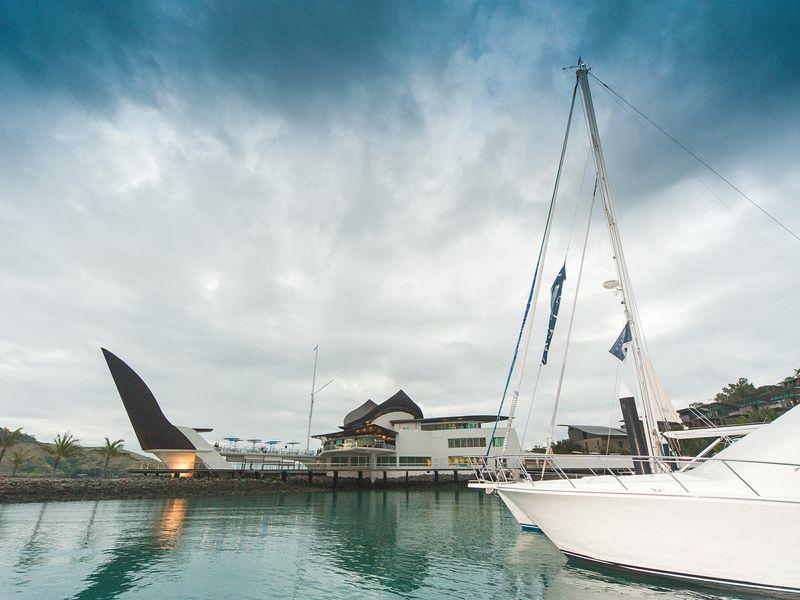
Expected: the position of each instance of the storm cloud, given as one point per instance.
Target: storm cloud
(211, 189)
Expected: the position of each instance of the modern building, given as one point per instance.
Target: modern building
(395, 437)
(391, 437)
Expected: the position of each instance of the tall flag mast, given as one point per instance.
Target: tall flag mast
(655, 404)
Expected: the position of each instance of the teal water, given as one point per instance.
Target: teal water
(376, 544)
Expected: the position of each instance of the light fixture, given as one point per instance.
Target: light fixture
(611, 284)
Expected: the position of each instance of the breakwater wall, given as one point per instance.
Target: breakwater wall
(64, 489)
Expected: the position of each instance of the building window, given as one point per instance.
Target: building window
(498, 442)
(387, 461)
(462, 460)
(338, 461)
(415, 461)
(470, 442)
(358, 461)
(450, 425)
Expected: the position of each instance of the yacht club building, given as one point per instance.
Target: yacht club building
(395, 437)
(390, 439)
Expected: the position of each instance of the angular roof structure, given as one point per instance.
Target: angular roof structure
(400, 402)
(357, 414)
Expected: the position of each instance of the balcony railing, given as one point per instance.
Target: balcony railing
(348, 444)
(262, 450)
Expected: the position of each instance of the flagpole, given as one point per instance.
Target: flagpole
(311, 407)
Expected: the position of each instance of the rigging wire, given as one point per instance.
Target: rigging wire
(536, 272)
(530, 407)
(578, 201)
(551, 430)
(710, 190)
(569, 241)
(697, 158)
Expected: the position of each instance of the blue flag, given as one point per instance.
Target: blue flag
(620, 347)
(555, 303)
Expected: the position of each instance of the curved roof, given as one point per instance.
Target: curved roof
(355, 415)
(400, 402)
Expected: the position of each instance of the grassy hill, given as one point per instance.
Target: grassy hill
(89, 462)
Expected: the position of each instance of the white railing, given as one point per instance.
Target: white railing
(531, 468)
(359, 444)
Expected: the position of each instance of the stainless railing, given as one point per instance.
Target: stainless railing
(537, 467)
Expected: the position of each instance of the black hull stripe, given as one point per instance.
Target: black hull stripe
(686, 576)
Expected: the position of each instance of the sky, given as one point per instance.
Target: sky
(211, 189)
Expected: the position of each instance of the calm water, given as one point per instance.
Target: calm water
(394, 544)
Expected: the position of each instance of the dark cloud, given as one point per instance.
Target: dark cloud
(211, 189)
(309, 56)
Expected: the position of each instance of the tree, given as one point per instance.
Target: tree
(65, 445)
(567, 446)
(19, 456)
(109, 451)
(8, 439)
(735, 392)
(763, 415)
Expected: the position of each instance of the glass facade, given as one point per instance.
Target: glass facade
(450, 425)
(498, 442)
(387, 461)
(470, 442)
(415, 461)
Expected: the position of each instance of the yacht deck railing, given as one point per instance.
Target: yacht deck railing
(538, 467)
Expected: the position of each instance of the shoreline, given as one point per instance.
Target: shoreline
(25, 490)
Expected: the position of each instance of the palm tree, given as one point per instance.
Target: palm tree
(109, 451)
(19, 456)
(65, 445)
(8, 438)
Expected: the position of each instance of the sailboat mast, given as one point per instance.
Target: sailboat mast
(631, 313)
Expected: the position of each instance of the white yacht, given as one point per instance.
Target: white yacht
(730, 520)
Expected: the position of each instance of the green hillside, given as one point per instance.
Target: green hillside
(88, 462)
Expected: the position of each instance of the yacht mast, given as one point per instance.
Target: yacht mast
(645, 376)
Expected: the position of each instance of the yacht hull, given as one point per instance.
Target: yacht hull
(732, 542)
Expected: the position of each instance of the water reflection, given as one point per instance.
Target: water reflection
(397, 543)
(369, 542)
(134, 554)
